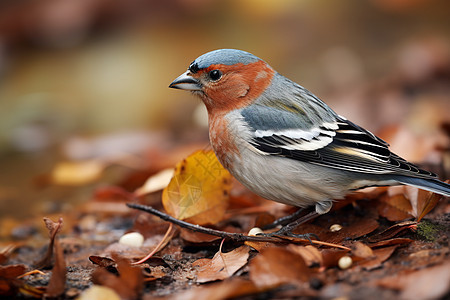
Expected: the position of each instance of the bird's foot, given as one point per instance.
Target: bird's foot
(287, 229)
(284, 220)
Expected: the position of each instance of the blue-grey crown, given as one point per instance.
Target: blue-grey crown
(224, 57)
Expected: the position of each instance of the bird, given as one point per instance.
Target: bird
(285, 144)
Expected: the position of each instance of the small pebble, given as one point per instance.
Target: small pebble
(345, 262)
(335, 227)
(134, 239)
(254, 231)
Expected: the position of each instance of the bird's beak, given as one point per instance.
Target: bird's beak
(186, 82)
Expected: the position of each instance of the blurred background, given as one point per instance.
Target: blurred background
(87, 80)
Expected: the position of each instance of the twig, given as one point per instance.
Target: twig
(239, 237)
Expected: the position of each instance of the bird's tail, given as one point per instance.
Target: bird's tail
(432, 185)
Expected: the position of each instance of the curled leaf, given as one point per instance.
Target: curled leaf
(53, 228)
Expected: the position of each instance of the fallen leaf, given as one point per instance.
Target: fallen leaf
(392, 231)
(361, 250)
(422, 201)
(429, 283)
(264, 219)
(391, 242)
(9, 284)
(197, 237)
(77, 173)
(128, 285)
(394, 207)
(112, 194)
(57, 283)
(331, 257)
(199, 190)
(222, 265)
(379, 256)
(155, 183)
(227, 289)
(6, 252)
(310, 254)
(258, 246)
(355, 227)
(101, 261)
(53, 229)
(275, 266)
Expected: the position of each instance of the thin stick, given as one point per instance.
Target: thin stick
(157, 248)
(227, 235)
(239, 237)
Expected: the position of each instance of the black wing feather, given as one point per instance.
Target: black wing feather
(378, 158)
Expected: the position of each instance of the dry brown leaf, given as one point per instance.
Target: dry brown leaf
(57, 283)
(394, 205)
(331, 257)
(402, 202)
(6, 252)
(258, 246)
(264, 219)
(379, 256)
(222, 265)
(429, 283)
(197, 237)
(355, 227)
(53, 228)
(391, 242)
(129, 282)
(227, 289)
(112, 194)
(310, 254)
(392, 231)
(9, 284)
(275, 266)
(199, 190)
(361, 250)
(422, 201)
(101, 261)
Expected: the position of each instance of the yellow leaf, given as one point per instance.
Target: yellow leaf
(77, 173)
(199, 189)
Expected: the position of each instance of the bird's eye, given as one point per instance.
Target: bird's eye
(215, 75)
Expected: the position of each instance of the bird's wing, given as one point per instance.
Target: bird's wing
(327, 140)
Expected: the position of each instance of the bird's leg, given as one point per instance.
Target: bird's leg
(287, 229)
(285, 220)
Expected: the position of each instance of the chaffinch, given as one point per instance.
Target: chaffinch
(284, 143)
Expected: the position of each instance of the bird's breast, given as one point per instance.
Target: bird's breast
(222, 141)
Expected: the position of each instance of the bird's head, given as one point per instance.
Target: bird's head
(226, 79)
